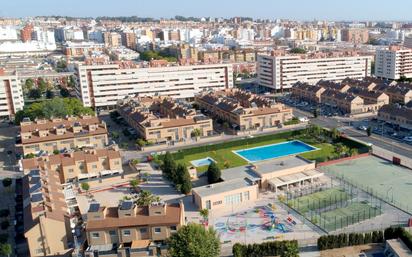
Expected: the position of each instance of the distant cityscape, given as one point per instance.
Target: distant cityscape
(202, 136)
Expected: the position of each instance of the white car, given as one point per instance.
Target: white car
(364, 128)
(303, 119)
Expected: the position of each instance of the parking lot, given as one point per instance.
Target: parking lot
(322, 109)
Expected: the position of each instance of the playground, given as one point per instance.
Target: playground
(378, 177)
(260, 224)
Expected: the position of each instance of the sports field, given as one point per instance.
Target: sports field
(342, 217)
(381, 178)
(318, 200)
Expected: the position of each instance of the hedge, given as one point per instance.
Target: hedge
(343, 240)
(275, 248)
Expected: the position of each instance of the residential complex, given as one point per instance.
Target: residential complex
(241, 185)
(128, 229)
(350, 96)
(101, 86)
(160, 119)
(280, 72)
(48, 136)
(393, 63)
(86, 165)
(11, 94)
(397, 115)
(243, 110)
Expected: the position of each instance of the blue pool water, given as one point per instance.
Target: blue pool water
(274, 151)
(202, 162)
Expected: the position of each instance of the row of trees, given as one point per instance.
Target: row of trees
(157, 55)
(56, 107)
(275, 248)
(343, 240)
(177, 173)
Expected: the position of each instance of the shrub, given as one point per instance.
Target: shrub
(7, 182)
(275, 248)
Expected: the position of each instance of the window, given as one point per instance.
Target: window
(126, 232)
(143, 230)
(208, 206)
(39, 251)
(112, 232)
(157, 230)
(94, 166)
(173, 228)
(246, 196)
(95, 235)
(70, 170)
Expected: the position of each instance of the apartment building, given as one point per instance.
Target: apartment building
(47, 217)
(89, 164)
(61, 133)
(243, 110)
(355, 35)
(130, 230)
(400, 93)
(393, 63)
(160, 119)
(101, 86)
(11, 94)
(397, 115)
(281, 71)
(81, 49)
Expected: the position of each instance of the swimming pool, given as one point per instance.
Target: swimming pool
(267, 152)
(202, 162)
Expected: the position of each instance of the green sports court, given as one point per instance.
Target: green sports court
(377, 176)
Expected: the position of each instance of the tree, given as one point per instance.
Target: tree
(183, 181)
(335, 134)
(49, 94)
(298, 50)
(7, 182)
(196, 133)
(193, 240)
(85, 186)
(169, 167)
(315, 113)
(34, 93)
(28, 84)
(213, 173)
(72, 81)
(134, 183)
(204, 213)
(41, 85)
(290, 250)
(64, 92)
(5, 249)
(369, 131)
(145, 198)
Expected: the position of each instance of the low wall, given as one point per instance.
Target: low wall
(161, 147)
(301, 125)
(320, 164)
(388, 155)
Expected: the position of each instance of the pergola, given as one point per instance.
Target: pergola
(295, 178)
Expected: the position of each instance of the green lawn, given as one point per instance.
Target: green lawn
(225, 158)
(343, 217)
(318, 200)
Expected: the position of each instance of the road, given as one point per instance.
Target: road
(343, 124)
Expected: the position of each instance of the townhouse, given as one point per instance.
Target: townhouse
(160, 119)
(397, 115)
(131, 230)
(48, 136)
(243, 110)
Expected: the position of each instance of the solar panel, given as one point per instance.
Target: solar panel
(35, 188)
(126, 205)
(94, 207)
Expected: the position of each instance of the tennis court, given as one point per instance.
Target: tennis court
(318, 200)
(342, 217)
(379, 177)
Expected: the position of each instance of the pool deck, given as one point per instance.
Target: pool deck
(237, 152)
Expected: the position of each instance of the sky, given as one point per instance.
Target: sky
(357, 10)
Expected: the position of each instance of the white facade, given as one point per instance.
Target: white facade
(104, 85)
(8, 33)
(11, 95)
(393, 63)
(281, 72)
(44, 36)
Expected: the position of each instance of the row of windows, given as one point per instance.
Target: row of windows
(127, 232)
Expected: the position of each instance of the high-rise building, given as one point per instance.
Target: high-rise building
(355, 36)
(104, 85)
(112, 39)
(25, 33)
(393, 63)
(282, 71)
(129, 40)
(11, 94)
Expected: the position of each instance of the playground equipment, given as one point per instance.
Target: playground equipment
(290, 221)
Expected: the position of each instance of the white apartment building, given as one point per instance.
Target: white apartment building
(102, 86)
(394, 62)
(281, 72)
(11, 95)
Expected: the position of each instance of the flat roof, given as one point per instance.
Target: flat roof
(399, 247)
(279, 164)
(245, 171)
(222, 187)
